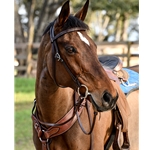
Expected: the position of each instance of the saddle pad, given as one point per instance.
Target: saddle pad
(133, 82)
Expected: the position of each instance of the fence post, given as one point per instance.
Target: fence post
(29, 58)
(128, 53)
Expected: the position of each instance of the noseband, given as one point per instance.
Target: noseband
(56, 53)
(57, 56)
(50, 130)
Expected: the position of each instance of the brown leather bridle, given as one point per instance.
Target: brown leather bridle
(56, 53)
(57, 56)
(46, 131)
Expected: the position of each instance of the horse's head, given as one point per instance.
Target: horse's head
(71, 58)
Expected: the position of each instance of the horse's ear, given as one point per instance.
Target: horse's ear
(81, 14)
(64, 14)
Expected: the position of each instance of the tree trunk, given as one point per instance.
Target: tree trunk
(106, 22)
(41, 16)
(116, 26)
(102, 24)
(47, 15)
(19, 32)
(124, 35)
(118, 32)
(30, 39)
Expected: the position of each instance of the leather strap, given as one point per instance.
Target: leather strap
(118, 125)
(58, 128)
(55, 37)
(47, 131)
(56, 54)
(90, 120)
(112, 76)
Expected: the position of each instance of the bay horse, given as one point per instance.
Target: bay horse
(134, 68)
(132, 97)
(133, 101)
(73, 92)
(133, 120)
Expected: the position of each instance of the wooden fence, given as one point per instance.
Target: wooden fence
(125, 50)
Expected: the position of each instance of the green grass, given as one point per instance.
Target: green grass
(24, 96)
(24, 89)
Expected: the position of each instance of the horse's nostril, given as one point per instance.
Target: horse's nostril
(107, 97)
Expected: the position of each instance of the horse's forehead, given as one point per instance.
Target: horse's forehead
(83, 38)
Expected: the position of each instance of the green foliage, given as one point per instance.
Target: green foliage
(128, 6)
(112, 13)
(119, 12)
(111, 6)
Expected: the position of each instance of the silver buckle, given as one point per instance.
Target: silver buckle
(86, 92)
(57, 56)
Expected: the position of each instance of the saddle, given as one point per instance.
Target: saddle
(113, 67)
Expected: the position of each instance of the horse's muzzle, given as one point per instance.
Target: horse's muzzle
(108, 102)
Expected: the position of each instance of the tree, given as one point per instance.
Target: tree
(119, 14)
(108, 13)
(30, 25)
(106, 18)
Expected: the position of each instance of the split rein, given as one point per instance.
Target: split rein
(46, 131)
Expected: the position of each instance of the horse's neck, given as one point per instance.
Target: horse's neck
(52, 102)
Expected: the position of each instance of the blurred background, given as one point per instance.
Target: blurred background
(113, 26)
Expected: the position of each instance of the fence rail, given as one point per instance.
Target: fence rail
(124, 50)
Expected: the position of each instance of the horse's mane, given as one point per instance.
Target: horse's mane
(71, 22)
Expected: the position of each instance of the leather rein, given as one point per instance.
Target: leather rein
(46, 131)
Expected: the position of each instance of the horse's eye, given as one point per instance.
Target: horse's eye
(70, 49)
